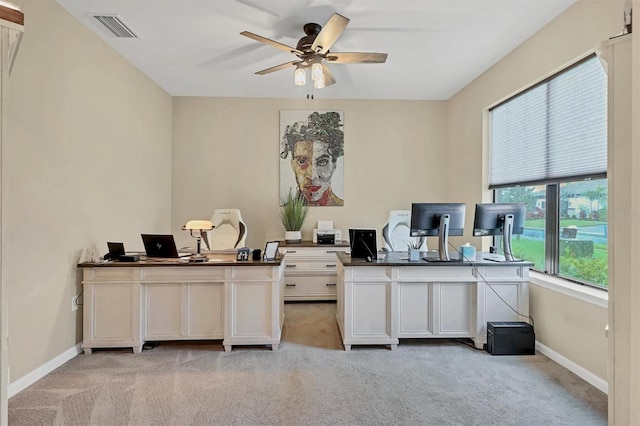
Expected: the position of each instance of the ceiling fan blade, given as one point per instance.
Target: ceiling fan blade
(329, 33)
(329, 79)
(278, 67)
(357, 58)
(271, 43)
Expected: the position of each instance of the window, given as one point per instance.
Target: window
(549, 150)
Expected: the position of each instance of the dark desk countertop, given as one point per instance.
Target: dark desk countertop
(310, 243)
(400, 258)
(214, 260)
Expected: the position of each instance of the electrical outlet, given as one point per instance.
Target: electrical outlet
(74, 304)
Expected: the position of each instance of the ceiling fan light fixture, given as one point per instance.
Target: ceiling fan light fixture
(318, 83)
(300, 76)
(316, 71)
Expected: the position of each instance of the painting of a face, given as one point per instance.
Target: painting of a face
(312, 156)
(313, 167)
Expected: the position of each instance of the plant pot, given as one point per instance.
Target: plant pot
(293, 236)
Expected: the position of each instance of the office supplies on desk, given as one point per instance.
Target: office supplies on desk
(161, 245)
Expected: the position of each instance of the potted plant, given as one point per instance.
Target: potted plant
(293, 213)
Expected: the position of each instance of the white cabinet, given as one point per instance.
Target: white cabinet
(183, 311)
(310, 270)
(239, 303)
(435, 309)
(365, 306)
(111, 314)
(183, 303)
(255, 312)
(383, 302)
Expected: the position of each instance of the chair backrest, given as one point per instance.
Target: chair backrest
(396, 232)
(229, 230)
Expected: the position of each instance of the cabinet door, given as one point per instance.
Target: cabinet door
(111, 315)
(205, 311)
(163, 307)
(177, 311)
(453, 309)
(415, 311)
(113, 312)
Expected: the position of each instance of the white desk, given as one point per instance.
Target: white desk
(126, 304)
(384, 301)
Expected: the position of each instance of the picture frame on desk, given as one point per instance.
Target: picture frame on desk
(242, 254)
(271, 250)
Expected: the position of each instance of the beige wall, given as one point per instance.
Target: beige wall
(226, 155)
(97, 152)
(87, 160)
(571, 35)
(571, 327)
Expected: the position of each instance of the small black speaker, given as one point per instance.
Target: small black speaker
(257, 253)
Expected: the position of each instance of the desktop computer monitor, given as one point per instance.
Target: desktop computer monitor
(504, 219)
(438, 219)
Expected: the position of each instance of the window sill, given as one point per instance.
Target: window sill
(588, 294)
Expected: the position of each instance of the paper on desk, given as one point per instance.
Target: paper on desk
(325, 225)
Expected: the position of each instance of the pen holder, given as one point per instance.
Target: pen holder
(414, 255)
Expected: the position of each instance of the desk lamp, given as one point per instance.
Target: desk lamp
(200, 227)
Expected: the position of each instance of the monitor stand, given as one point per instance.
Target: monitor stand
(494, 257)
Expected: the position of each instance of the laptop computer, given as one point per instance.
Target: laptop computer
(161, 245)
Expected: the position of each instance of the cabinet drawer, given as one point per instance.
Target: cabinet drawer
(111, 274)
(182, 274)
(328, 266)
(321, 287)
(313, 254)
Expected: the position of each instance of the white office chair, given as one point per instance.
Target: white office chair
(396, 232)
(229, 231)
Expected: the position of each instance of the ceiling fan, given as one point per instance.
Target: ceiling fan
(313, 52)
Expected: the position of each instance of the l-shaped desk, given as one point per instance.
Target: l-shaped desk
(242, 303)
(392, 298)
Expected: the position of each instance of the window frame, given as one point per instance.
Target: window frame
(552, 187)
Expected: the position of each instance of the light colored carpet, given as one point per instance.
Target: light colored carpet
(309, 380)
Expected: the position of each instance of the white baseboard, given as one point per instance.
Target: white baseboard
(37, 374)
(579, 371)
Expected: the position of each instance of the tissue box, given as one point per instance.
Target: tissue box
(467, 252)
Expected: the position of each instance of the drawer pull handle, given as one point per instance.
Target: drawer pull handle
(291, 285)
(291, 266)
(292, 251)
(332, 251)
(331, 266)
(331, 284)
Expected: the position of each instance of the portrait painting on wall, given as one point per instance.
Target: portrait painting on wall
(312, 156)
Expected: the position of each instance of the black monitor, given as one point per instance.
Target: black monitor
(438, 219)
(504, 219)
(363, 244)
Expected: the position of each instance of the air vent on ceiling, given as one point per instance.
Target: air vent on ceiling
(116, 25)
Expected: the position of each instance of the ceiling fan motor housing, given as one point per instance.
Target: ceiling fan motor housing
(311, 30)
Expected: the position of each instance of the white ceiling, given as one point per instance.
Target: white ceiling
(435, 47)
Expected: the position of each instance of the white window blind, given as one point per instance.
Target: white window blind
(554, 131)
